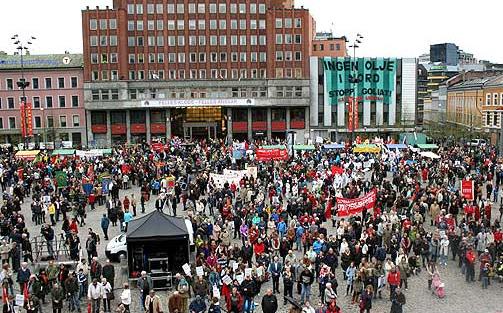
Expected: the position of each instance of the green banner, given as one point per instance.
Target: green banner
(61, 179)
(367, 79)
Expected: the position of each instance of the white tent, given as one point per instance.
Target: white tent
(429, 154)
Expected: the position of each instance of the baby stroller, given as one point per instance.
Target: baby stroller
(437, 286)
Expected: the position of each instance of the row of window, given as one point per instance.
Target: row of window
(332, 47)
(200, 24)
(238, 92)
(193, 8)
(103, 41)
(35, 83)
(222, 40)
(288, 39)
(288, 23)
(106, 75)
(103, 23)
(197, 57)
(494, 99)
(49, 122)
(491, 119)
(36, 102)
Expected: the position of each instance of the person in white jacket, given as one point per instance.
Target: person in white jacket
(107, 294)
(95, 294)
(444, 250)
(126, 297)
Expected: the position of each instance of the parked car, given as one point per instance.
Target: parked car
(477, 143)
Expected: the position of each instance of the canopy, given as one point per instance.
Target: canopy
(333, 146)
(367, 148)
(429, 154)
(282, 147)
(63, 152)
(396, 146)
(156, 226)
(303, 147)
(427, 146)
(27, 154)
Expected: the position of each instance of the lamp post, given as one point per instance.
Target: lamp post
(354, 80)
(22, 47)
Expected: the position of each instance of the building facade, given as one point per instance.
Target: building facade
(55, 92)
(464, 103)
(193, 68)
(385, 93)
(445, 53)
(326, 45)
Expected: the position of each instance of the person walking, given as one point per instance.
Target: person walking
(306, 280)
(366, 299)
(126, 297)
(108, 295)
(108, 272)
(397, 301)
(269, 302)
(105, 222)
(94, 295)
(144, 285)
(275, 268)
(57, 297)
(153, 303)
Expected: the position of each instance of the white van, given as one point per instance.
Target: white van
(477, 143)
(117, 246)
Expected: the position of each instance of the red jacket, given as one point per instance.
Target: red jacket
(470, 256)
(394, 278)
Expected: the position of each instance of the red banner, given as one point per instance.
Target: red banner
(348, 207)
(29, 119)
(337, 170)
(467, 189)
(350, 115)
(271, 154)
(355, 109)
(23, 119)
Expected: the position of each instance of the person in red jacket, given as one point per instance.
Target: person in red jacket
(470, 264)
(393, 281)
(258, 247)
(234, 301)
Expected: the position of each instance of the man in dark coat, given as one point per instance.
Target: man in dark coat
(397, 301)
(269, 302)
(108, 272)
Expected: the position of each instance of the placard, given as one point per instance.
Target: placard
(19, 300)
(216, 292)
(240, 278)
(227, 280)
(186, 269)
(248, 271)
(199, 271)
(260, 271)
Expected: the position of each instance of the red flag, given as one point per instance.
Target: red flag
(25, 291)
(337, 170)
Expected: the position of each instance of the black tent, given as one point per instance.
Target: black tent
(157, 242)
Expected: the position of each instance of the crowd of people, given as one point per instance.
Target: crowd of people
(281, 225)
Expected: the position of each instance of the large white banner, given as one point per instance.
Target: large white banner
(173, 103)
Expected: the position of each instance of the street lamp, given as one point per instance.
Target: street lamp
(22, 47)
(353, 79)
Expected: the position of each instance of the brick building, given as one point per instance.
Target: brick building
(55, 92)
(196, 68)
(327, 45)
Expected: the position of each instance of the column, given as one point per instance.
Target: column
(128, 126)
(306, 123)
(287, 118)
(109, 130)
(89, 130)
(147, 122)
(269, 123)
(229, 126)
(168, 125)
(250, 132)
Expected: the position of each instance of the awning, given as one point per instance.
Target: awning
(273, 147)
(430, 155)
(333, 146)
(427, 146)
(364, 148)
(27, 154)
(64, 152)
(303, 147)
(397, 146)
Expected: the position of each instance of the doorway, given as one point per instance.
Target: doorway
(200, 130)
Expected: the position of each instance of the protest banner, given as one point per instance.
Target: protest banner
(271, 154)
(467, 189)
(349, 207)
(61, 179)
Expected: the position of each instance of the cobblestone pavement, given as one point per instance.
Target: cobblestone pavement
(460, 296)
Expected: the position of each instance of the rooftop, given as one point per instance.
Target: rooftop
(41, 61)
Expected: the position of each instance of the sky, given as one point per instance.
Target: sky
(391, 28)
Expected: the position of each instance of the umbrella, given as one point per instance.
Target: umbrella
(294, 302)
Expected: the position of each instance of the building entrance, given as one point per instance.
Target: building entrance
(198, 122)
